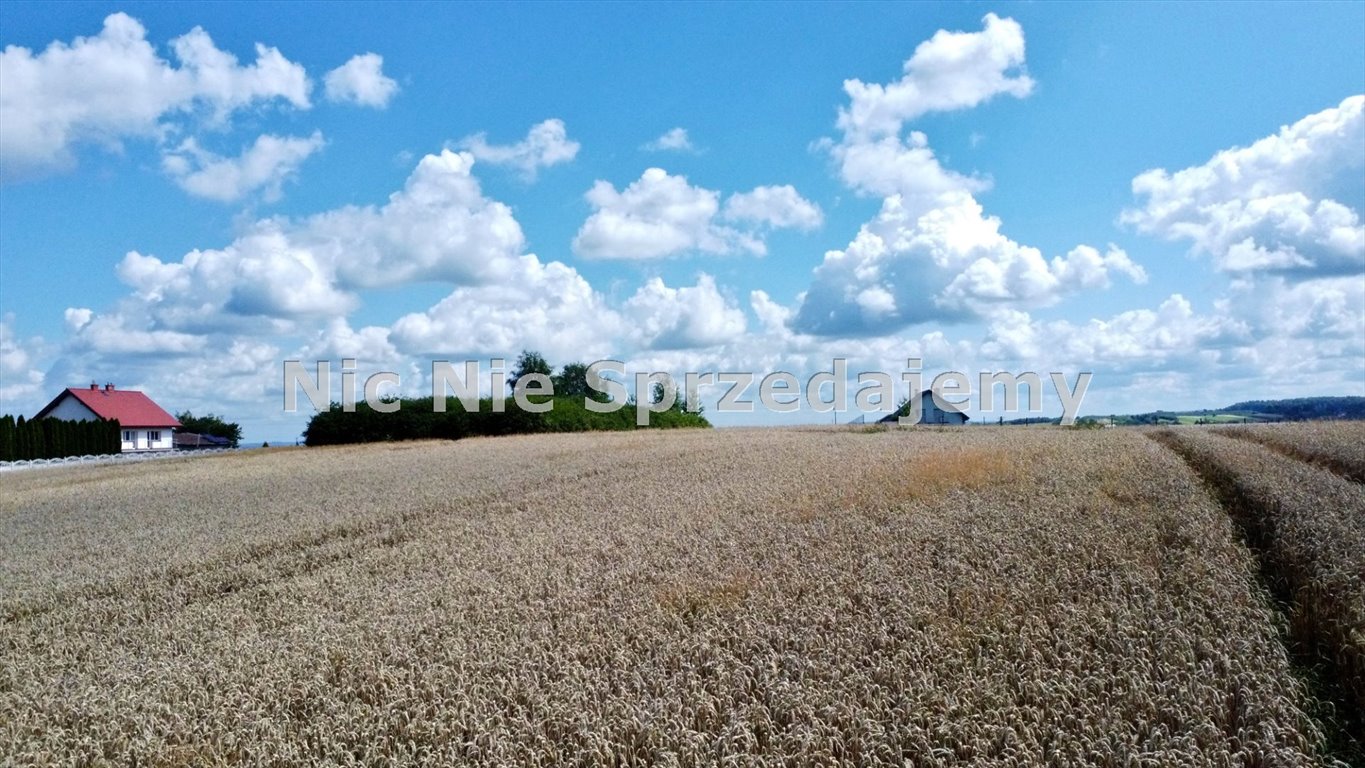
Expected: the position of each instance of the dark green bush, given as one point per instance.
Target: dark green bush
(416, 419)
(55, 439)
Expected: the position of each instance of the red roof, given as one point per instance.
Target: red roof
(132, 409)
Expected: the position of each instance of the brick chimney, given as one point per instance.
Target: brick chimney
(109, 387)
(94, 387)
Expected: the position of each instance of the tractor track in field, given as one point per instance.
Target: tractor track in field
(1347, 470)
(259, 565)
(1314, 650)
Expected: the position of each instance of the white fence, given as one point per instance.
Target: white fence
(111, 458)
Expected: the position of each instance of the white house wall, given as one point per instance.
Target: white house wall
(71, 409)
(147, 440)
(932, 414)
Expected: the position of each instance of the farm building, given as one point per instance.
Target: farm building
(189, 441)
(146, 426)
(930, 413)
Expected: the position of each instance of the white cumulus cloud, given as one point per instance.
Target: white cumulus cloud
(547, 307)
(949, 263)
(360, 81)
(114, 85)
(20, 379)
(775, 206)
(1019, 274)
(894, 166)
(279, 272)
(1268, 207)
(661, 215)
(932, 253)
(951, 70)
(110, 335)
(683, 318)
(218, 79)
(546, 144)
(263, 166)
(672, 140)
(657, 215)
(337, 340)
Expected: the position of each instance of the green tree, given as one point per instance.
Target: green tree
(54, 434)
(656, 395)
(210, 425)
(528, 362)
(7, 438)
(572, 381)
(84, 439)
(23, 447)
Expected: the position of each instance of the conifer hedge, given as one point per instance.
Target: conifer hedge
(21, 439)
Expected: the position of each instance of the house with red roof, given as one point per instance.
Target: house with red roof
(146, 425)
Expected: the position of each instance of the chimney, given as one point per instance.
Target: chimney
(94, 387)
(108, 387)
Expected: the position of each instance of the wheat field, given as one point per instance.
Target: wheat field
(981, 596)
(1340, 449)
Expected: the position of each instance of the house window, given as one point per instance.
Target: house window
(154, 436)
(127, 435)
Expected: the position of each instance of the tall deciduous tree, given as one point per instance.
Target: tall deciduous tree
(528, 362)
(572, 381)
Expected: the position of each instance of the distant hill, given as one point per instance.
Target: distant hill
(1305, 408)
(1295, 409)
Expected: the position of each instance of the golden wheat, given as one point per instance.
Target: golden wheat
(763, 597)
(1310, 526)
(1338, 446)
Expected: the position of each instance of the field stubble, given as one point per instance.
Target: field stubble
(1007, 596)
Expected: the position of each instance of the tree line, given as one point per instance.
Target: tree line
(418, 418)
(23, 440)
(211, 424)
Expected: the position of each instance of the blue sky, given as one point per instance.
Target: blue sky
(683, 187)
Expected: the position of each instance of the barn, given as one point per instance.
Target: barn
(930, 413)
(146, 425)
